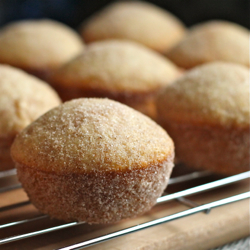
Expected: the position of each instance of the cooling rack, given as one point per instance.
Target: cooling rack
(181, 186)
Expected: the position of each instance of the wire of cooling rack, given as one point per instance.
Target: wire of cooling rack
(179, 196)
(7, 173)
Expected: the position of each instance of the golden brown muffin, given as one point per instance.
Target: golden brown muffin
(38, 46)
(212, 41)
(23, 98)
(121, 70)
(138, 21)
(206, 112)
(93, 160)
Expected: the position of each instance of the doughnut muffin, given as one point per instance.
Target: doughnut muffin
(93, 160)
(38, 46)
(120, 70)
(212, 41)
(206, 112)
(137, 21)
(23, 98)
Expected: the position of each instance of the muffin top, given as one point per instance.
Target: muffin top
(23, 98)
(214, 94)
(138, 21)
(38, 44)
(212, 41)
(91, 135)
(117, 66)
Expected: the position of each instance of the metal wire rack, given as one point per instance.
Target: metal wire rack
(179, 196)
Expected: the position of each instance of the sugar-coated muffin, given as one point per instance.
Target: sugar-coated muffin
(23, 98)
(141, 22)
(212, 41)
(120, 70)
(206, 112)
(93, 160)
(38, 46)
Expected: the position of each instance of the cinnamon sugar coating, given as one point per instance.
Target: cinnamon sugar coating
(98, 159)
(206, 112)
(38, 46)
(212, 41)
(86, 134)
(220, 150)
(120, 70)
(137, 21)
(23, 98)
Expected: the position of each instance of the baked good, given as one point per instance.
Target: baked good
(23, 98)
(212, 41)
(38, 46)
(121, 70)
(93, 160)
(206, 112)
(141, 22)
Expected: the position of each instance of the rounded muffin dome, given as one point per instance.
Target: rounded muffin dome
(23, 98)
(91, 134)
(212, 41)
(98, 159)
(38, 46)
(215, 94)
(120, 70)
(137, 21)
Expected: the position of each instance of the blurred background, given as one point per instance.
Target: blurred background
(73, 12)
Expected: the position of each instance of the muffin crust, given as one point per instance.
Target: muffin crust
(120, 70)
(38, 46)
(212, 41)
(214, 94)
(137, 21)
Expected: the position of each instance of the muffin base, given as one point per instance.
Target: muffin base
(42, 73)
(143, 102)
(6, 162)
(97, 196)
(221, 150)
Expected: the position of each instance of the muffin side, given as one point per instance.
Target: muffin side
(96, 197)
(38, 46)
